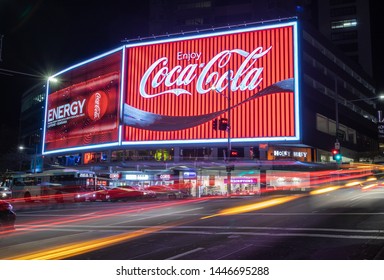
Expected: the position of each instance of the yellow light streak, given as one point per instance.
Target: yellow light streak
(254, 206)
(67, 251)
(371, 179)
(78, 248)
(324, 190)
(369, 186)
(352, 184)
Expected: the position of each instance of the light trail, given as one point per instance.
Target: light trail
(67, 251)
(98, 215)
(324, 190)
(254, 206)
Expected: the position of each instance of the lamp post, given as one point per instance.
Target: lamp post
(21, 148)
(229, 167)
(337, 143)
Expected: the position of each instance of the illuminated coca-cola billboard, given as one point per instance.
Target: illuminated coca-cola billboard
(170, 91)
(82, 106)
(175, 88)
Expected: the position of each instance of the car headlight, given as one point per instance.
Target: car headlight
(4, 195)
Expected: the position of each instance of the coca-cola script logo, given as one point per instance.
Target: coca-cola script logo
(97, 105)
(246, 77)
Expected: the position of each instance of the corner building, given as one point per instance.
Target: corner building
(158, 111)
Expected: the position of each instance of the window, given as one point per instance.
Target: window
(348, 35)
(328, 126)
(321, 123)
(332, 127)
(352, 135)
(350, 47)
(348, 23)
(344, 11)
(194, 21)
(341, 2)
(201, 4)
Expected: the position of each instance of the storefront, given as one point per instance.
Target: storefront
(291, 153)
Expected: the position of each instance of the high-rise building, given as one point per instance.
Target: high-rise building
(346, 23)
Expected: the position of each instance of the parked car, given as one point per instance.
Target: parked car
(7, 216)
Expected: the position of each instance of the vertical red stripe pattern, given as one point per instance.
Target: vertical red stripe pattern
(267, 116)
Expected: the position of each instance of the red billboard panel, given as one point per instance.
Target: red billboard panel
(176, 88)
(82, 106)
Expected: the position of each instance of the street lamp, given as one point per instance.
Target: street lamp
(22, 148)
(337, 144)
(381, 96)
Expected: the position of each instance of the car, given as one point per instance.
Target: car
(5, 193)
(148, 194)
(100, 194)
(165, 191)
(123, 193)
(7, 216)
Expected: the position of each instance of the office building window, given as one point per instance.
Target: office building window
(340, 2)
(344, 11)
(195, 5)
(322, 123)
(328, 126)
(348, 23)
(342, 36)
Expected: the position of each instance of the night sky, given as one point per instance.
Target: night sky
(42, 37)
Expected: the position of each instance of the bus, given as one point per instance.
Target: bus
(59, 185)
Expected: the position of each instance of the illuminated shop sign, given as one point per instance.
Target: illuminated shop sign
(242, 180)
(177, 87)
(165, 177)
(189, 175)
(136, 177)
(285, 153)
(114, 176)
(86, 175)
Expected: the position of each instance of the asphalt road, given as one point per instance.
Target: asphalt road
(343, 224)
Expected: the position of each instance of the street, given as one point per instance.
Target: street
(343, 224)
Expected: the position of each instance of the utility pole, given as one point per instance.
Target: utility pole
(229, 168)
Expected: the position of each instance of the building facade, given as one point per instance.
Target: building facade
(334, 101)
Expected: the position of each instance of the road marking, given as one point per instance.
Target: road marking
(113, 227)
(149, 216)
(185, 253)
(241, 249)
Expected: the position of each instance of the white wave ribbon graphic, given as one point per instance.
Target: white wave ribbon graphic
(146, 120)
